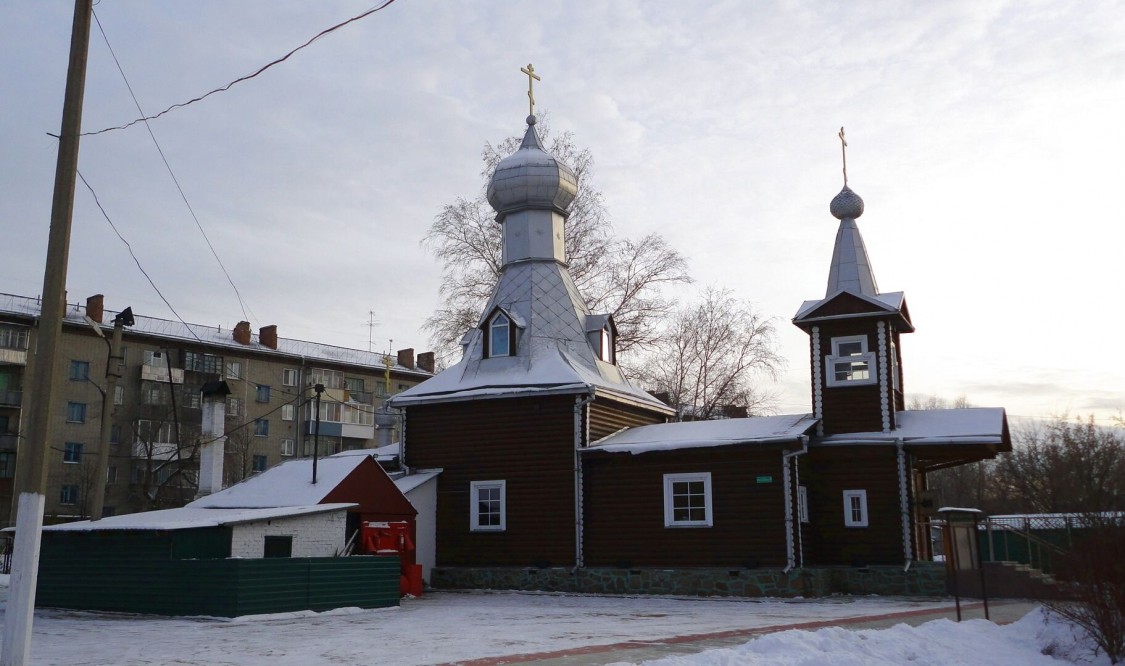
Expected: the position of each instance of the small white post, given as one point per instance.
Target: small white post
(25, 574)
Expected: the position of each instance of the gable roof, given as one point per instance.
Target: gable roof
(702, 434)
(290, 483)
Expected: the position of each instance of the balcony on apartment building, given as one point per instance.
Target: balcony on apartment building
(10, 398)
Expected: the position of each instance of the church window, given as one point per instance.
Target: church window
(488, 504)
(687, 500)
(499, 336)
(606, 351)
(850, 363)
(855, 508)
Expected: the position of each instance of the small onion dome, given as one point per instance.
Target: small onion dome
(531, 178)
(846, 205)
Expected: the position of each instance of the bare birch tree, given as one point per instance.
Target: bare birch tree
(711, 355)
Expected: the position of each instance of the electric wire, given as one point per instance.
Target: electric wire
(246, 77)
(134, 255)
(168, 166)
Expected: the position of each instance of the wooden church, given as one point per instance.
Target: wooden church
(553, 460)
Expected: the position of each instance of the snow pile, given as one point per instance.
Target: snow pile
(1038, 638)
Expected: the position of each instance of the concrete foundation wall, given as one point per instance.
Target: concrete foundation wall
(923, 579)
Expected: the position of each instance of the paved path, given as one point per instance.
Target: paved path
(1000, 612)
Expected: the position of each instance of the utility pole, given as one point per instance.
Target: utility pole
(319, 388)
(31, 463)
(112, 374)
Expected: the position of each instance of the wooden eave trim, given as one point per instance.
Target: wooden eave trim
(906, 326)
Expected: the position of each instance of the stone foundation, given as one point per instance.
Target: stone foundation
(923, 579)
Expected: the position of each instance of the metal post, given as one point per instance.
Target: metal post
(319, 388)
(31, 464)
(112, 374)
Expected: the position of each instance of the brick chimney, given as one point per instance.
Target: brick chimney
(95, 307)
(426, 361)
(242, 333)
(406, 358)
(267, 335)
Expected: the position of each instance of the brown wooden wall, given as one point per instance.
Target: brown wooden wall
(527, 442)
(624, 509)
(852, 408)
(607, 417)
(828, 472)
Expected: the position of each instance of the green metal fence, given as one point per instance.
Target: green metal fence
(139, 575)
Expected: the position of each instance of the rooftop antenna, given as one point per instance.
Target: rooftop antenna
(371, 324)
(531, 78)
(844, 154)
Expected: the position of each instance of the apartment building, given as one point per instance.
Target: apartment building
(155, 410)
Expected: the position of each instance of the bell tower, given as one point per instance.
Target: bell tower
(854, 334)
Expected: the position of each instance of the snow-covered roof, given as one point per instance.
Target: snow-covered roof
(190, 517)
(287, 484)
(699, 434)
(217, 336)
(890, 301)
(414, 479)
(972, 425)
(550, 365)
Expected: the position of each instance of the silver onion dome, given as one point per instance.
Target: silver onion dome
(531, 178)
(846, 205)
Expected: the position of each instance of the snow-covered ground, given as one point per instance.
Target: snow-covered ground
(454, 627)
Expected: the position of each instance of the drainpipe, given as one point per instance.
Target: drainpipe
(904, 506)
(579, 430)
(787, 489)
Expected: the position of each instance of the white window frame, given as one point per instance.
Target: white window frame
(288, 412)
(803, 504)
(860, 506)
(289, 377)
(288, 447)
(606, 337)
(670, 481)
(234, 370)
(865, 356)
(494, 324)
(474, 506)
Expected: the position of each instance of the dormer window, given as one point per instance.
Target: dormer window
(605, 353)
(500, 336)
(850, 364)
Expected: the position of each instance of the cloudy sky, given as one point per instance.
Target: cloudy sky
(986, 138)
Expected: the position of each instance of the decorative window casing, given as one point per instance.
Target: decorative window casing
(488, 506)
(855, 508)
(687, 500)
(851, 363)
(500, 336)
(606, 352)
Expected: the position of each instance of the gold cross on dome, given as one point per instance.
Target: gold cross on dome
(531, 78)
(844, 154)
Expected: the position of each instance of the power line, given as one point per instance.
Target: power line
(168, 166)
(134, 256)
(248, 76)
